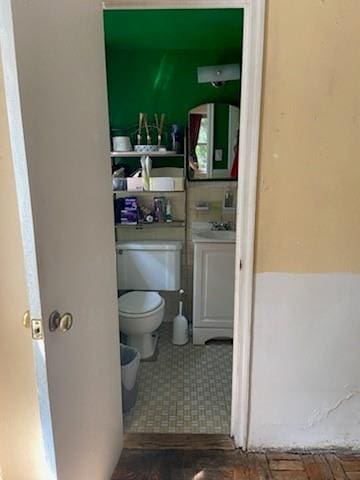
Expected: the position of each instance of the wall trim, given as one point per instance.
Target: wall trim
(252, 66)
(254, 16)
(170, 4)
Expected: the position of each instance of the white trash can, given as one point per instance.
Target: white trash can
(130, 361)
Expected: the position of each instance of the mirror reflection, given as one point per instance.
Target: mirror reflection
(213, 142)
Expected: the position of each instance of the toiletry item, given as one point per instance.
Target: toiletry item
(121, 144)
(146, 125)
(149, 219)
(159, 126)
(168, 216)
(180, 326)
(130, 211)
(119, 183)
(118, 207)
(159, 209)
(138, 136)
(177, 138)
(229, 200)
(146, 170)
(129, 217)
(118, 180)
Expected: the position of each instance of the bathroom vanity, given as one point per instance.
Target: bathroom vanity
(213, 289)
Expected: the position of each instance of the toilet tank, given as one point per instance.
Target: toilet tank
(148, 265)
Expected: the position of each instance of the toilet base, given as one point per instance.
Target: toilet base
(145, 344)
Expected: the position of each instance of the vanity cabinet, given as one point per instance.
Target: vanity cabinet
(213, 291)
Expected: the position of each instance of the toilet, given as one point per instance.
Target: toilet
(145, 268)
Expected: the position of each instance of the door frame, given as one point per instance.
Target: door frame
(252, 60)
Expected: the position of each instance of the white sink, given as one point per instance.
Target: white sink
(223, 236)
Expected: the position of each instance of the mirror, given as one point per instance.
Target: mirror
(213, 142)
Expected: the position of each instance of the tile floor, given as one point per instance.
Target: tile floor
(187, 389)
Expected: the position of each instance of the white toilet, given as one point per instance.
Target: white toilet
(144, 267)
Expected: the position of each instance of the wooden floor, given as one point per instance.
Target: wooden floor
(188, 460)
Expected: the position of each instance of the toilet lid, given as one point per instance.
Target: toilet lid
(139, 302)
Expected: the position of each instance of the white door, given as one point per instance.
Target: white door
(54, 77)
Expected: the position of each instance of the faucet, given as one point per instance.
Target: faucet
(221, 226)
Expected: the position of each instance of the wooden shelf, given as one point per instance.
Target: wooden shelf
(140, 226)
(126, 193)
(141, 154)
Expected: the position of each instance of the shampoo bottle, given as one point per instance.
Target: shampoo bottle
(168, 216)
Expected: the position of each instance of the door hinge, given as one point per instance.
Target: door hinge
(241, 265)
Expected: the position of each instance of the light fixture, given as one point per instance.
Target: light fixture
(218, 75)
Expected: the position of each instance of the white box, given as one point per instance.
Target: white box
(135, 184)
(162, 184)
(178, 184)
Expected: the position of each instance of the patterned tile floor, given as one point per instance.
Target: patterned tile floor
(187, 389)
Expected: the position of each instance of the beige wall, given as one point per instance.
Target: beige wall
(309, 194)
(20, 433)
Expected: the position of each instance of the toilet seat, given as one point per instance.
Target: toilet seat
(139, 303)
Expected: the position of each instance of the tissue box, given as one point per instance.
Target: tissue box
(135, 184)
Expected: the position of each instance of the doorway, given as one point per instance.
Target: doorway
(155, 87)
(251, 87)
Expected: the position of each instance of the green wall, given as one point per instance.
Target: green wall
(152, 59)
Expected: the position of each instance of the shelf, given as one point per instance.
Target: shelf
(126, 193)
(140, 226)
(141, 154)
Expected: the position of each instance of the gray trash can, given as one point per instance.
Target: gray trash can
(130, 361)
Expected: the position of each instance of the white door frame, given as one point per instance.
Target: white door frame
(254, 16)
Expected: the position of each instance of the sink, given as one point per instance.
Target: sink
(227, 236)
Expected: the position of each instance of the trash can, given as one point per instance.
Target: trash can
(130, 361)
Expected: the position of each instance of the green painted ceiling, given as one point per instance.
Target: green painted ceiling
(202, 29)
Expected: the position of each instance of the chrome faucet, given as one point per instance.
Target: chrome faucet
(221, 226)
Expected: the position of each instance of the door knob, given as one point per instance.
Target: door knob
(64, 322)
(26, 321)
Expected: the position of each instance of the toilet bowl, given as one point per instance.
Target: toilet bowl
(140, 314)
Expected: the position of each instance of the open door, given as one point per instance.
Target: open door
(55, 93)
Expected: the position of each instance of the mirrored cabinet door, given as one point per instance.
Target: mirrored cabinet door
(213, 142)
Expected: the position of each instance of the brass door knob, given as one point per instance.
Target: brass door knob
(26, 321)
(64, 322)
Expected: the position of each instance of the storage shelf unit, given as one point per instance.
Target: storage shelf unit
(127, 193)
(141, 154)
(140, 226)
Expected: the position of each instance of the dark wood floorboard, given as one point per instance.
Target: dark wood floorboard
(180, 462)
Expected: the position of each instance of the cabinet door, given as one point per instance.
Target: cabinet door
(214, 280)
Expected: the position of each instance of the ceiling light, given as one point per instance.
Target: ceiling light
(218, 75)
